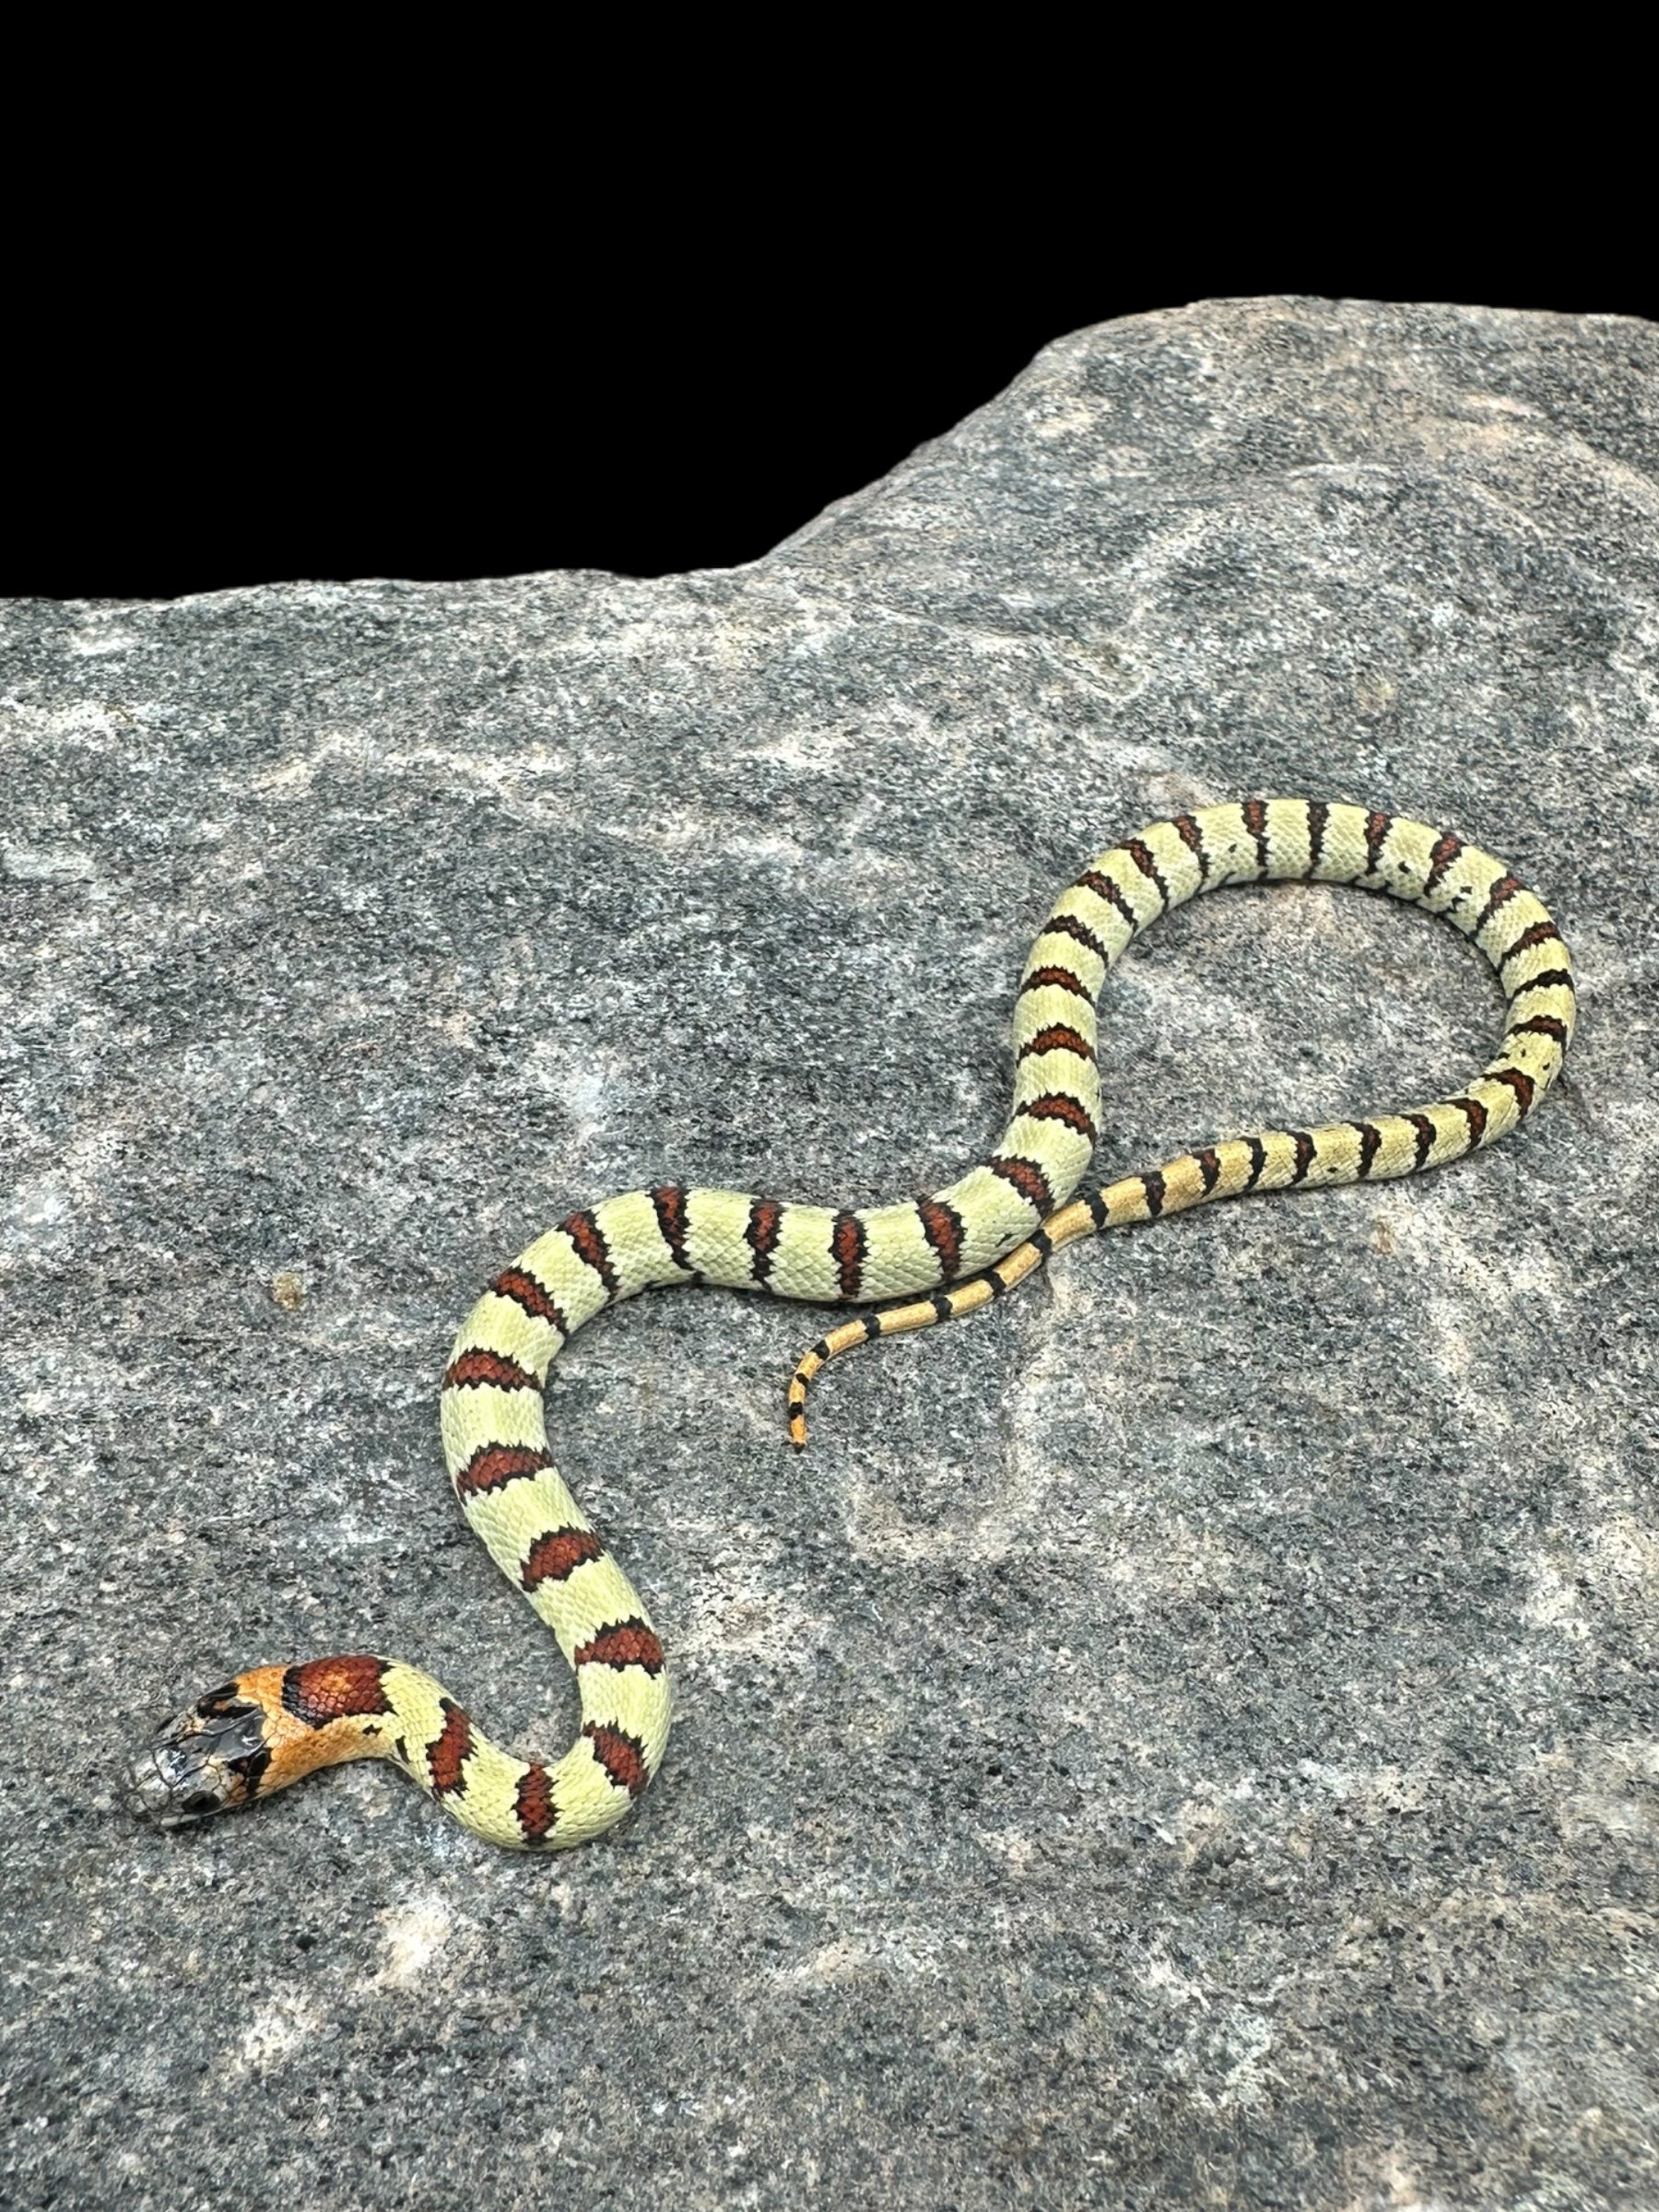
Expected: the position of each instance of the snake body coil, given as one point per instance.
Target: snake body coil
(962, 1247)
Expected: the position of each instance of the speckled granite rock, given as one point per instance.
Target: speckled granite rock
(1187, 1738)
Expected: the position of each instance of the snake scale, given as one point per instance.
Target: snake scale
(949, 1254)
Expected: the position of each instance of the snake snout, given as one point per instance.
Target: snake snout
(159, 1790)
(202, 1761)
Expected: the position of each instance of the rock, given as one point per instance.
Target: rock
(1187, 1738)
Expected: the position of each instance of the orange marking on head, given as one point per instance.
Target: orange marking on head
(299, 1746)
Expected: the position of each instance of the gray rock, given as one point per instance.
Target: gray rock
(1187, 1738)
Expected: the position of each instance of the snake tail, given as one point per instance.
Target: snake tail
(946, 1254)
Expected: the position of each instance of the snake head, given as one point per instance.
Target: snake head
(209, 1758)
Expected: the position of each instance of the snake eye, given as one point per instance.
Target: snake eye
(202, 1802)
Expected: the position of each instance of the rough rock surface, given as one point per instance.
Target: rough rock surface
(1185, 1738)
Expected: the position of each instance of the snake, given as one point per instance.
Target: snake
(943, 1255)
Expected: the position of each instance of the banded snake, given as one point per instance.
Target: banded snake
(946, 1254)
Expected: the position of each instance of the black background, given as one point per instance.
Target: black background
(348, 394)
